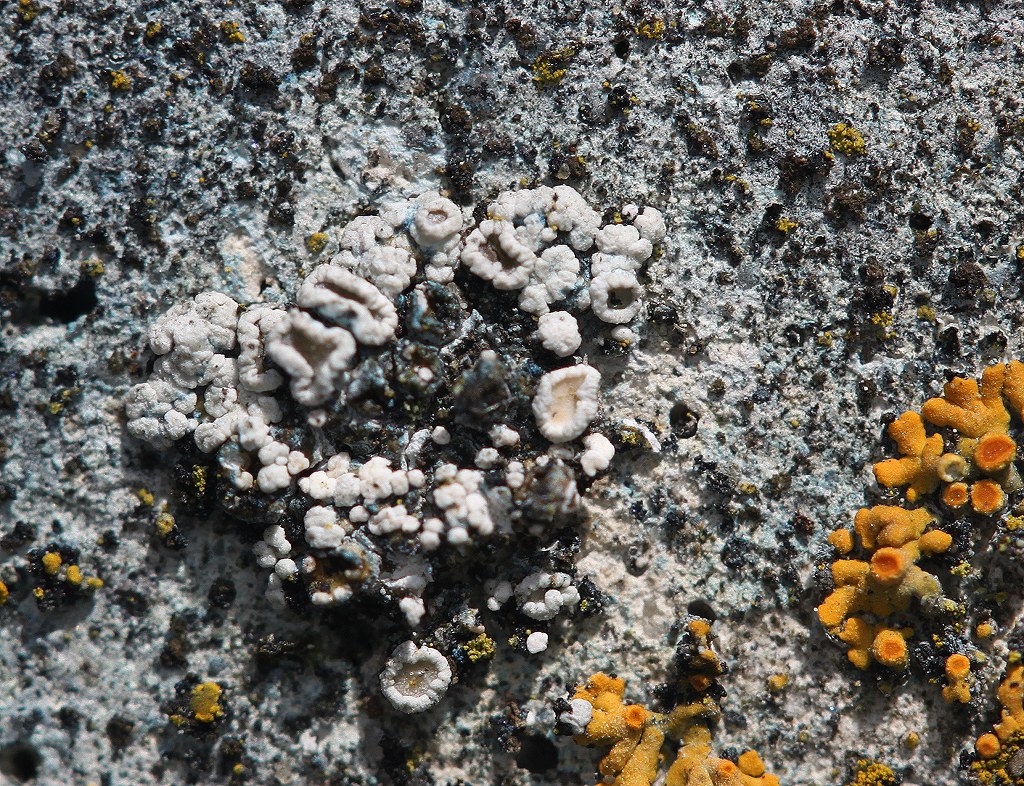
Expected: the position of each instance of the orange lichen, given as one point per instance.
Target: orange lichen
(971, 411)
(1013, 386)
(987, 497)
(958, 672)
(890, 649)
(1000, 750)
(1010, 693)
(955, 495)
(886, 583)
(635, 740)
(887, 525)
(695, 765)
(972, 471)
(842, 540)
(918, 468)
(994, 452)
(636, 735)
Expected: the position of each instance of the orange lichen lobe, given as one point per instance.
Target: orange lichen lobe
(750, 764)
(935, 542)
(205, 702)
(890, 649)
(987, 746)
(955, 495)
(958, 672)
(888, 525)
(987, 497)
(971, 411)
(841, 540)
(889, 565)
(957, 666)
(994, 452)
(918, 468)
(859, 635)
(1013, 386)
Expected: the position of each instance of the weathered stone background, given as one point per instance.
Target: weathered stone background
(151, 150)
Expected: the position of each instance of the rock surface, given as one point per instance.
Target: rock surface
(841, 184)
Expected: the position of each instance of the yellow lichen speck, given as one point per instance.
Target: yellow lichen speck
(164, 523)
(873, 773)
(205, 702)
(232, 33)
(51, 562)
(653, 29)
(846, 139)
(479, 648)
(550, 68)
(316, 242)
(119, 80)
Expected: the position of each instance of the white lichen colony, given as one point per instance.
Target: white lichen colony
(415, 678)
(262, 386)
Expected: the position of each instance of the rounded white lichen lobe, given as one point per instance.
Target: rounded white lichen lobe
(615, 296)
(542, 595)
(343, 298)
(495, 252)
(254, 326)
(566, 402)
(576, 718)
(651, 225)
(597, 454)
(436, 223)
(559, 333)
(415, 678)
(313, 354)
